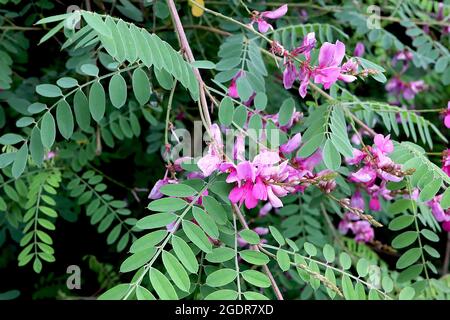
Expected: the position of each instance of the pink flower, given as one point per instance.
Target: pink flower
(364, 175)
(50, 155)
(243, 194)
(261, 231)
(447, 116)
(383, 144)
(154, 193)
(330, 57)
(289, 75)
(232, 89)
(358, 156)
(292, 144)
(374, 203)
(208, 164)
(446, 225)
(265, 209)
(357, 200)
(412, 88)
(258, 180)
(212, 160)
(260, 19)
(309, 42)
(446, 162)
(439, 213)
(408, 89)
(304, 74)
(309, 163)
(363, 231)
(359, 50)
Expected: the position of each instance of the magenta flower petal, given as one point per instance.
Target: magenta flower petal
(384, 144)
(208, 164)
(359, 49)
(274, 200)
(236, 194)
(245, 171)
(292, 144)
(275, 14)
(263, 26)
(259, 190)
(364, 175)
(447, 120)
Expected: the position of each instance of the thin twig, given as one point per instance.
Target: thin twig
(241, 218)
(447, 256)
(185, 47)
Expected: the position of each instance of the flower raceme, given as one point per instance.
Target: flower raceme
(268, 177)
(327, 72)
(377, 170)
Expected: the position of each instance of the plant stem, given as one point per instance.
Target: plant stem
(241, 218)
(169, 108)
(185, 47)
(447, 256)
(236, 262)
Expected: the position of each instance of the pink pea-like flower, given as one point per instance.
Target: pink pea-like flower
(292, 144)
(384, 144)
(260, 19)
(359, 50)
(447, 116)
(446, 162)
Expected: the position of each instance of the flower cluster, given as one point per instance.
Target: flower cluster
(442, 215)
(376, 171)
(400, 88)
(268, 177)
(439, 213)
(362, 229)
(328, 71)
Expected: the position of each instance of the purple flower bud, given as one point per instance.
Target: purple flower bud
(359, 49)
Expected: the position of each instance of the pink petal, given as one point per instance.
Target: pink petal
(326, 54)
(358, 156)
(292, 144)
(263, 26)
(447, 120)
(259, 190)
(339, 53)
(266, 158)
(359, 49)
(245, 171)
(357, 200)
(250, 200)
(374, 204)
(346, 78)
(384, 144)
(265, 209)
(289, 75)
(274, 200)
(154, 193)
(275, 14)
(236, 194)
(302, 90)
(363, 175)
(208, 164)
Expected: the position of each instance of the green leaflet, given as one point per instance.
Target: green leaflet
(97, 103)
(64, 119)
